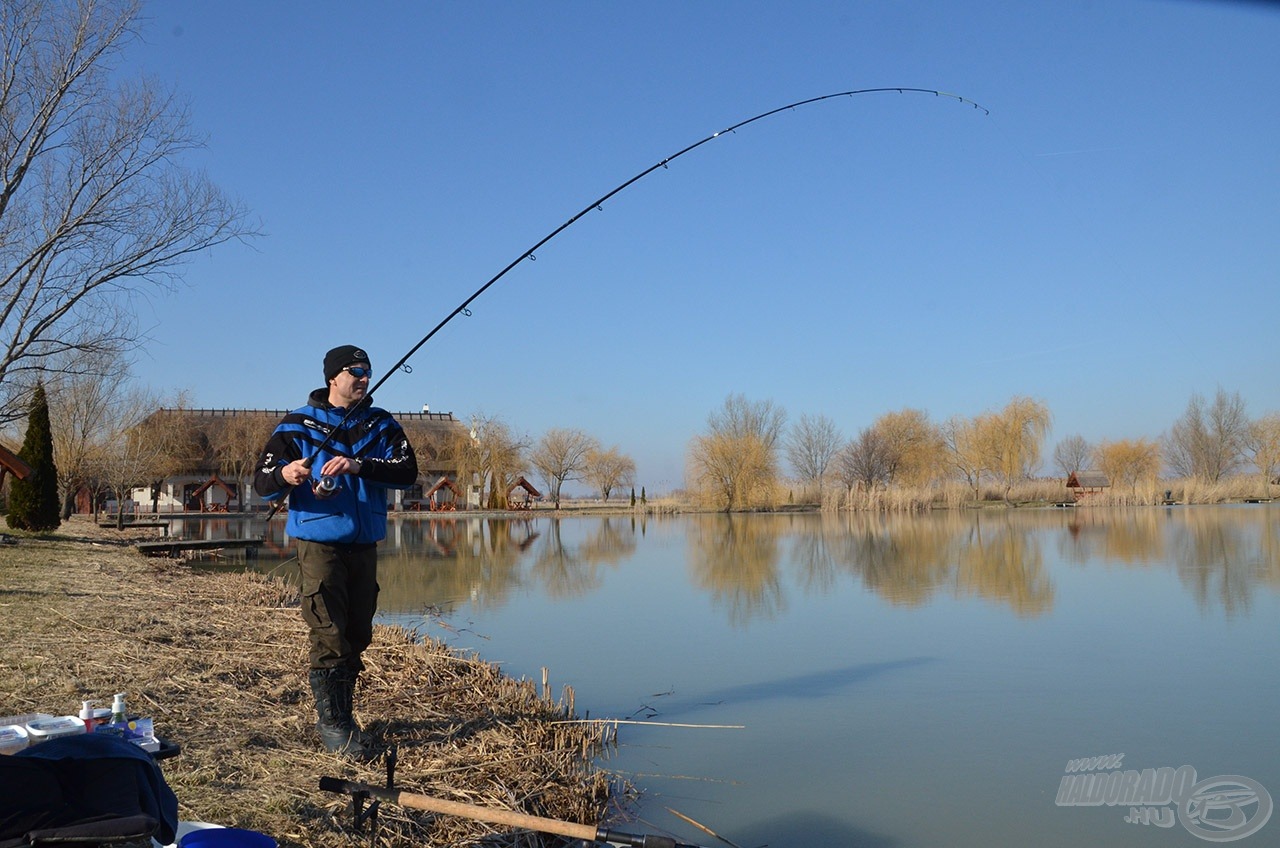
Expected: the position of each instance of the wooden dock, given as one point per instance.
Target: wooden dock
(173, 546)
(162, 526)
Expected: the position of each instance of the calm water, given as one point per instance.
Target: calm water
(902, 682)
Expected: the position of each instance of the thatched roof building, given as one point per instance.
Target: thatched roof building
(1085, 483)
(206, 438)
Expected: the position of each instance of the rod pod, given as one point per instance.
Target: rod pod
(510, 818)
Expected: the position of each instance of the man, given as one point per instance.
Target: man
(335, 458)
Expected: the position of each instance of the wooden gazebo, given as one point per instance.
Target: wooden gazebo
(1085, 483)
(442, 505)
(195, 500)
(529, 493)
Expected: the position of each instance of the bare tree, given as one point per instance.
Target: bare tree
(84, 408)
(1208, 442)
(608, 469)
(811, 447)
(1072, 454)
(95, 207)
(182, 448)
(237, 444)
(866, 461)
(431, 448)
(965, 440)
(1263, 447)
(137, 450)
(561, 455)
(738, 417)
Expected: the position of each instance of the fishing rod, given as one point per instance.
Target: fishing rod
(522, 821)
(598, 204)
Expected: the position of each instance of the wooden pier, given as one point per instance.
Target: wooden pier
(162, 526)
(174, 546)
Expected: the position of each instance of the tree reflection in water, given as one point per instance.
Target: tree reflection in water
(749, 564)
(735, 557)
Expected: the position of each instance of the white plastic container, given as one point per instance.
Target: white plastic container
(13, 738)
(44, 729)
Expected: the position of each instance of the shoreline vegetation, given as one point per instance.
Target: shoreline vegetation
(1046, 492)
(218, 661)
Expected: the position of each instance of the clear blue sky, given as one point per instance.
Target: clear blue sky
(1107, 240)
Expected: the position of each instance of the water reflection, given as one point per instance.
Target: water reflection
(1221, 563)
(748, 564)
(735, 558)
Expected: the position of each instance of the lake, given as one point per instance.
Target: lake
(1057, 677)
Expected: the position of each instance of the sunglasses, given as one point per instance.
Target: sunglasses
(358, 372)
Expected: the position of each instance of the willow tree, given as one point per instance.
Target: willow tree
(1129, 462)
(97, 210)
(733, 472)
(490, 453)
(1014, 436)
(915, 447)
(735, 462)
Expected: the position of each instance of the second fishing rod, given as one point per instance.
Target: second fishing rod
(324, 485)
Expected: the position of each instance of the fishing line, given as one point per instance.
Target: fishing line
(598, 204)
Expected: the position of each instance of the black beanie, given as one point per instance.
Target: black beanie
(340, 357)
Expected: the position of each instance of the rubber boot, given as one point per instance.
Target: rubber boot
(347, 690)
(332, 690)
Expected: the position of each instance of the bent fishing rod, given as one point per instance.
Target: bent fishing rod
(598, 204)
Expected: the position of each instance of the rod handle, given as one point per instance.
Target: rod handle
(468, 811)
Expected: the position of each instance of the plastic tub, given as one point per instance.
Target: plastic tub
(44, 729)
(13, 738)
(226, 837)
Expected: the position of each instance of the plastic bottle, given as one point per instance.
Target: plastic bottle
(118, 715)
(86, 715)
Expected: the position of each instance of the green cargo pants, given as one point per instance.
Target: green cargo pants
(339, 599)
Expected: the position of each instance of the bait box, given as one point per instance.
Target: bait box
(13, 738)
(44, 729)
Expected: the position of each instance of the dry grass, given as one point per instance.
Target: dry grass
(219, 662)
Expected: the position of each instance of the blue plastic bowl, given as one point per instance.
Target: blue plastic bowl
(226, 837)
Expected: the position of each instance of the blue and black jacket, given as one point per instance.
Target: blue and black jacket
(357, 513)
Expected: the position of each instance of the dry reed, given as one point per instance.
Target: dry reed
(218, 661)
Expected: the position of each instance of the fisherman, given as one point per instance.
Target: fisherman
(335, 458)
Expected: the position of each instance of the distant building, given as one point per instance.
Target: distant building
(1085, 483)
(207, 486)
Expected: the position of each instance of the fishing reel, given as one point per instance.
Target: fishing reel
(325, 487)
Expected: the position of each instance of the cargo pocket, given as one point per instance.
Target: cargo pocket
(315, 611)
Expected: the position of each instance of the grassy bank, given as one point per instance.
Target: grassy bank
(219, 662)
